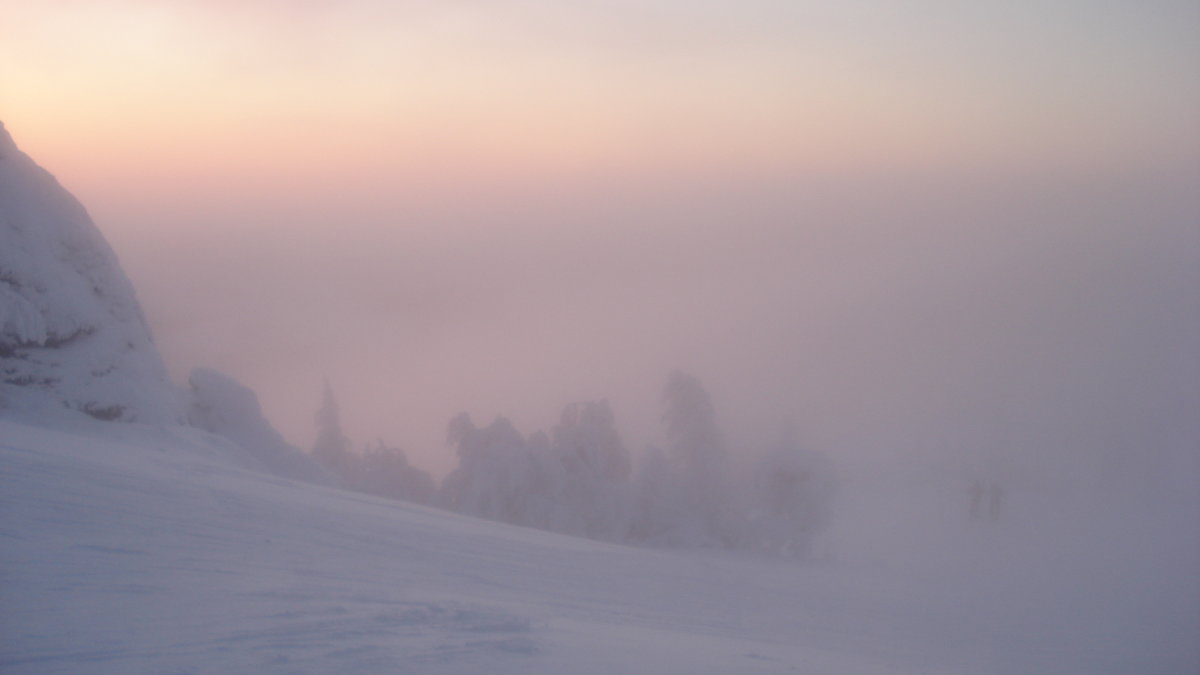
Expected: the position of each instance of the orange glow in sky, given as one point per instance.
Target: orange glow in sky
(306, 91)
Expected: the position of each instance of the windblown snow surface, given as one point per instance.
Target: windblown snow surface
(136, 549)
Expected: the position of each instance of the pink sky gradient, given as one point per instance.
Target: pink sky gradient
(302, 93)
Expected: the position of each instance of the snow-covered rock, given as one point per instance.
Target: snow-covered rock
(223, 406)
(71, 329)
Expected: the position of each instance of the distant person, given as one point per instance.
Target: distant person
(995, 501)
(976, 493)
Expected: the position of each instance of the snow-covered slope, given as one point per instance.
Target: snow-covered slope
(71, 330)
(135, 549)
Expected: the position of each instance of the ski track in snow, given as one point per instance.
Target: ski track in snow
(146, 557)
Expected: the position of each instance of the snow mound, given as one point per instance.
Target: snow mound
(71, 329)
(223, 406)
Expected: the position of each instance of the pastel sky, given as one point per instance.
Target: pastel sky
(528, 88)
(502, 205)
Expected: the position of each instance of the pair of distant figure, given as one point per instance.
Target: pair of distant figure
(990, 492)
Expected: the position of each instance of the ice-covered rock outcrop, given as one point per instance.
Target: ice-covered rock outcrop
(223, 406)
(71, 329)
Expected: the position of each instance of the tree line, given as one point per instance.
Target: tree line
(580, 479)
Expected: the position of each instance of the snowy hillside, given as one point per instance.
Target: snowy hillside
(136, 549)
(71, 330)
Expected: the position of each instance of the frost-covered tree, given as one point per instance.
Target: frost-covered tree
(332, 448)
(697, 459)
(588, 442)
(546, 484)
(695, 443)
(595, 471)
(683, 496)
(380, 470)
(387, 473)
(577, 483)
(792, 495)
(657, 509)
(493, 476)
